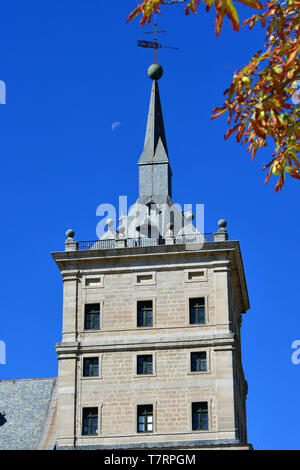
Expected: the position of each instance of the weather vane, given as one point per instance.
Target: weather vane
(154, 44)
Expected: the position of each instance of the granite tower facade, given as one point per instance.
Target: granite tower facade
(150, 355)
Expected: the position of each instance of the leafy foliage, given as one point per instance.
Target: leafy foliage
(223, 7)
(261, 98)
(262, 101)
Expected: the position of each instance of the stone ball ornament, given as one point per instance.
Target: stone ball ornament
(155, 71)
(70, 233)
(109, 222)
(222, 223)
(189, 216)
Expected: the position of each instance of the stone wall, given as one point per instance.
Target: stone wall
(172, 388)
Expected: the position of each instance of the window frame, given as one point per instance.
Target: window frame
(203, 278)
(93, 275)
(152, 281)
(98, 302)
(91, 367)
(199, 314)
(138, 415)
(135, 363)
(206, 309)
(198, 351)
(208, 409)
(144, 402)
(91, 356)
(145, 298)
(88, 435)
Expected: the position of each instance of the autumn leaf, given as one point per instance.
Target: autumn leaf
(191, 6)
(259, 98)
(226, 7)
(147, 8)
(218, 112)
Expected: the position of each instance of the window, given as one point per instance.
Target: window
(197, 310)
(90, 421)
(144, 313)
(195, 275)
(92, 317)
(199, 416)
(92, 281)
(198, 361)
(145, 418)
(144, 278)
(145, 364)
(91, 367)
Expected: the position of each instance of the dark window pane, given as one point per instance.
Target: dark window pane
(198, 361)
(148, 319)
(197, 310)
(91, 367)
(144, 313)
(145, 418)
(90, 421)
(144, 364)
(92, 317)
(199, 416)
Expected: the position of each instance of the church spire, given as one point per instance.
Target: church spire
(155, 130)
(154, 168)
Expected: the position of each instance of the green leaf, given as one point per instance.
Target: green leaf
(232, 14)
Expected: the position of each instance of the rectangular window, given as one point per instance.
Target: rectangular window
(89, 421)
(195, 275)
(198, 361)
(145, 364)
(92, 281)
(91, 367)
(92, 317)
(144, 278)
(144, 313)
(197, 310)
(145, 418)
(199, 416)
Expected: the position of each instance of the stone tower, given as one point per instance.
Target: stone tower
(150, 355)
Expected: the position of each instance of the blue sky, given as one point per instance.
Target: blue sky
(72, 69)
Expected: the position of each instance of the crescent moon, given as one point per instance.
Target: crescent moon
(115, 125)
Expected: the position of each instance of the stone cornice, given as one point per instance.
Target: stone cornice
(73, 274)
(136, 252)
(166, 341)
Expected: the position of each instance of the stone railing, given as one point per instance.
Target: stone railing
(122, 242)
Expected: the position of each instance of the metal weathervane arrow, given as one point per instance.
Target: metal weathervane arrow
(154, 44)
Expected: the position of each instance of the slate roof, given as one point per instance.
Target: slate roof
(25, 406)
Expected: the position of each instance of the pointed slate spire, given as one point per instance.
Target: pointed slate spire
(155, 132)
(154, 168)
